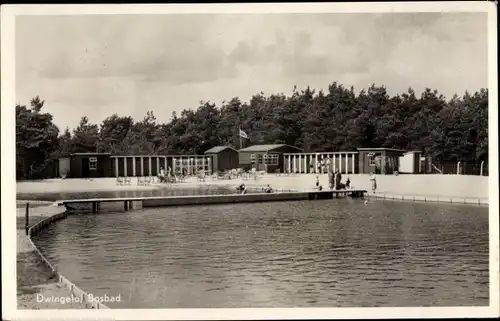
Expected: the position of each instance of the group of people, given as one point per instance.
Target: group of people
(334, 181)
(164, 177)
(242, 189)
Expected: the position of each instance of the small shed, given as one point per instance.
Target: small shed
(86, 165)
(223, 158)
(268, 158)
(379, 160)
(411, 162)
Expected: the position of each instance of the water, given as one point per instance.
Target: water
(165, 191)
(331, 253)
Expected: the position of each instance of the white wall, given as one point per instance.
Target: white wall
(64, 166)
(406, 163)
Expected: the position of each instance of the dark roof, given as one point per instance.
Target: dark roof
(265, 148)
(382, 148)
(91, 154)
(218, 149)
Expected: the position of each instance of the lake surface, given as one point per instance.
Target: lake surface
(165, 191)
(331, 253)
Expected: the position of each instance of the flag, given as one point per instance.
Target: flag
(243, 134)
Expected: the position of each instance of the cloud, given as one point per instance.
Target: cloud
(153, 48)
(102, 64)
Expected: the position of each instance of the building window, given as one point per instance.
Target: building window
(272, 159)
(252, 159)
(93, 163)
(371, 158)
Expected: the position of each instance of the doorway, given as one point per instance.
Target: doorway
(85, 168)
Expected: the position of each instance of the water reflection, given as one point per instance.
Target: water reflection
(323, 253)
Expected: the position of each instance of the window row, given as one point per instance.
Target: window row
(268, 159)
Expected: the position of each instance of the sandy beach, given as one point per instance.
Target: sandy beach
(76, 185)
(408, 185)
(459, 186)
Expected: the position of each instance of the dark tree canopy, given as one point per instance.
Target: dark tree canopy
(339, 119)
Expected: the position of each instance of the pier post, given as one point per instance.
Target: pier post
(94, 207)
(116, 167)
(27, 222)
(125, 205)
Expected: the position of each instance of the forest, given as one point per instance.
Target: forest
(337, 119)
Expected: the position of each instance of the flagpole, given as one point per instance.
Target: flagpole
(239, 135)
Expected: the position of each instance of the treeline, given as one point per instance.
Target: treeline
(339, 119)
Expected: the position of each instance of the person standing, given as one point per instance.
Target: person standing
(338, 179)
(161, 175)
(374, 183)
(331, 179)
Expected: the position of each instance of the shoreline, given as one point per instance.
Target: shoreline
(35, 281)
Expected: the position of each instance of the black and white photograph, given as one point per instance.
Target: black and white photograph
(236, 161)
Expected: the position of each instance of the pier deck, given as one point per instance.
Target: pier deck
(160, 201)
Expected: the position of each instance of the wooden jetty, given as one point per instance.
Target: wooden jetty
(161, 201)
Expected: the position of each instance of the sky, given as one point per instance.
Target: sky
(98, 65)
